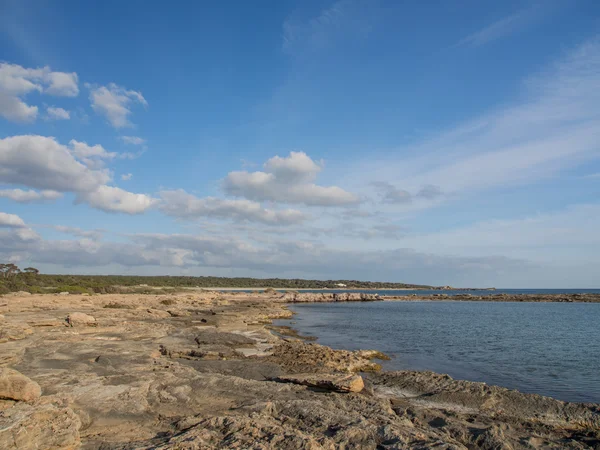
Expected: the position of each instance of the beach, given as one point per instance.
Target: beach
(201, 370)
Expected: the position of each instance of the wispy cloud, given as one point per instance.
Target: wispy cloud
(553, 126)
(502, 28)
(571, 231)
(342, 18)
(133, 140)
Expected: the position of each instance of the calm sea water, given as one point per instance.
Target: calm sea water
(551, 349)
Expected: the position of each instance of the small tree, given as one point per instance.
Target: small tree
(8, 270)
(31, 270)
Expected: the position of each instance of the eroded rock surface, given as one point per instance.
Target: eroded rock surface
(24, 426)
(199, 370)
(329, 381)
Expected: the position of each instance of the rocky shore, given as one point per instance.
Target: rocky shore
(206, 370)
(312, 297)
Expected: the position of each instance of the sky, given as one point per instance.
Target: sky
(445, 143)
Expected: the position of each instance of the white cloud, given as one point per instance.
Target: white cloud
(93, 156)
(180, 204)
(41, 162)
(287, 180)
(133, 140)
(114, 199)
(14, 109)
(295, 168)
(17, 81)
(11, 220)
(114, 103)
(126, 176)
(62, 84)
(55, 113)
(29, 196)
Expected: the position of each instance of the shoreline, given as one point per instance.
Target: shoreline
(498, 297)
(203, 370)
(308, 333)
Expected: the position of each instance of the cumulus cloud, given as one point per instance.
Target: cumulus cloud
(17, 81)
(14, 109)
(297, 167)
(287, 180)
(179, 203)
(55, 113)
(62, 84)
(114, 102)
(29, 196)
(11, 220)
(41, 162)
(93, 156)
(114, 199)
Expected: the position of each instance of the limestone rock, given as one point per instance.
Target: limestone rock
(13, 332)
(47, 426)
(210, 337)
(19, 294)
(332, 382)
(179, 313)
(16, 386)
(158, 313)
(81, 319)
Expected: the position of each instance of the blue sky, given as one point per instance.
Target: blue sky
(427, 142)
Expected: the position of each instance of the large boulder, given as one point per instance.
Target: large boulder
(16, 386)
(331, 382)
(79, 319)
(42, 426)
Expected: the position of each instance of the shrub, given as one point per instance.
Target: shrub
(70, 290)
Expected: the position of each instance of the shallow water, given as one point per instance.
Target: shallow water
(551, 349)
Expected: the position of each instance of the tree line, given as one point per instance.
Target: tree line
(31, 280)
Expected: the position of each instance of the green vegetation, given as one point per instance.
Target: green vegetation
(13, 279)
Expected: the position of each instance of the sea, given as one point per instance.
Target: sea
(551, 349)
